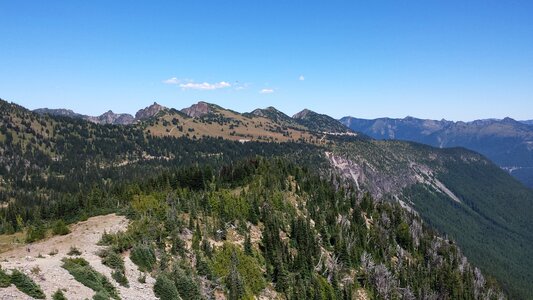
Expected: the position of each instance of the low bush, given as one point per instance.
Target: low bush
(80, 269)
(5, 280)
(35, 233)
(247, 267)
(186, 285)
(165, 289)
(142, 278)
(144, 257)
(74, 251)
(26, 285)
(119, 241)
(120, 278)
(114, 261)
(60, 228)
(58, 295)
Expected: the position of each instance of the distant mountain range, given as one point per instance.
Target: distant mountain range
(206, 119)
(108, 117)
(507, 142)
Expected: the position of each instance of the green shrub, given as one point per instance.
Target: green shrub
(185, 284)
(403, 236)
(106, 239)
(35, 233)
(60, 228)
(58, 295)
(80, 269)
(101, 296)
(114, 261)
(165, 289)
(120, 277)
(74, 251)
(5, 280)
(26, 285)
(144, 257)
(202, 266)
(142, 278)
(119, 242)
(247, 267)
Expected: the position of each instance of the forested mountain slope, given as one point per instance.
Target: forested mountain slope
(457, 191)
(62, 168)
(280, 232)
(507, 142)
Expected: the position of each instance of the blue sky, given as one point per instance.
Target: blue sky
(459, 60)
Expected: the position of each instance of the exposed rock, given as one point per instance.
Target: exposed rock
(59, 112)
(111, 118)
(303, 114)
(507, 142)
(108, 117)
(197, 110)
(149, 111)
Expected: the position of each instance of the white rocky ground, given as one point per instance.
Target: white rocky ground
(48, 273)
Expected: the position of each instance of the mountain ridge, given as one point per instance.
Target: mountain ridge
(108, 117)
(507, 142)
(67, 151)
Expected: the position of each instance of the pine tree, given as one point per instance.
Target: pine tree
(234, 281)
(247, 245)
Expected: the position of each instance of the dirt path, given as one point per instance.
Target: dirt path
(48, 273)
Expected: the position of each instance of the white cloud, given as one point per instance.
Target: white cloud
(301, 78)
(240, 86)
(266, 91)
(172, 80)
(204, 85)
(191, 85)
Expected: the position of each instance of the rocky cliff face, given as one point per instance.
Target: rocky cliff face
(108, 117)
(197, 110)
(149, 111)
(59, 112)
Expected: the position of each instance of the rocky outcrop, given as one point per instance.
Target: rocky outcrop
(59, 112)
(197, 110)
(303, 114)
(108, 117)
(149, 111)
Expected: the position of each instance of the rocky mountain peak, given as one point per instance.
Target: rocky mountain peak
(198, 110)
(57, 112)
(303, 114)
(264, 112)
(149, 111)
